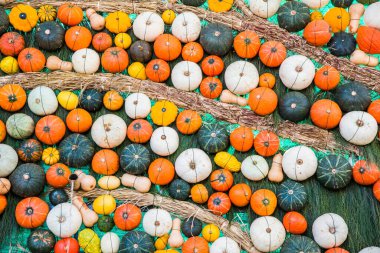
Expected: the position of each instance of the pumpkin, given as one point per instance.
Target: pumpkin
(240, 194)
(179, 189)
(8, 160)
(5, 186)
(267, 80)
(167, 47)
(3, 131)
(104, 204)
(157, 222)
(148, 26)
(101, 41)
(272, 53)
(112, 100)
(353, 96)
(316, 15)
(297, 72)
(342, 3)
(135, 159)
(31, 212)
(137, 70)
(12, 97)
(263, 101)
(334, 172)
(109, 131)
(78, 120)
(50, 129)
(110, 243)
(264, 8)
(220, 5)
(330, 230)
(267, 233)
(64, 220)
(186, 75)
(325, 114)
(254, 168)
(123, 40)
(242, 139)
(316, 4)
(365, 173)
(127, 217)
(195, 3)
(300, 243)
(299, 163)
(41, 241)
(210, 232)
(91, 100)
(199, 194)
(12, 43)
(141, 51)
(168, 16)
(27, 180)
(4, 21)
(370, 15)
(263, 202)
(3, 203)
(193, 165)
(68, 100)
(294, 223)
(105, 223)
(317, 33)
(139, 183)
(294, 106)
(42, 101)
(369, 249)
(247, 44)
(342, 44)
(157, 70)
(293, 16)
(20, 126)
(221, 180)
(46, 13)
(192, 51)
(78, 37)
(161, 171)
(30, 151)
(136, 242)
(376, 190)
(188, 122)
(164, 141)
(67, 245)
(139, 131)
(338, 19)
(216, 39)
(186, 27)
(109, 182)
(358, 128)
(195, 244)
(227, 161)
(23, 17)
(118, 22)
(70, 14)
(50, 156)
(50, 36)
(337, 250)
(327, 78)
(58, 175)
(9, 65)
(164, 112)
(115, 60)
(76, 150)
(191, 227)
(31, 60)
(374, 109)
(291, 196)
(266, 143)
(219, 203)
(212, 137)
(137, 105)
(58, 196)
(212, 65)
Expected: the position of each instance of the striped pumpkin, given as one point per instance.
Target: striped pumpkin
(300, 243)
(291, 196)
(334, 172)
(213, 138)
(136, 242)
(135, 159)
(76, 150)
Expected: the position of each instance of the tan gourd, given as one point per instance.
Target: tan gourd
(356, 12)
(97, 21)
(140, 184)
(109, 183)
(54, 63)
(230, 98)
(361, 58)
(5, 186)
(4, 2)
(175, 238)
(80, 175)
(89, 217)
(275, 173)
(88, 183)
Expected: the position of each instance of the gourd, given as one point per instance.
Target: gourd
(31, 212)
(191, 227)
(342, 3)
(210, 232)
(42, 101)
(161, 242)
(327, 78)
(91, 100)
(88, 183)
(135, 159)
(140, 184)
(370, 250)
(23, 17)
(195, 3)
(221, 180)
(294, 106)
(164, 112)
(141, 51)
(294, 223)
(157, 222)
(89, 217)
(263, 8)
(110, 243)
(127, 217)
(211, 87)
(101, 41)
(27, 180)
(136, 242)
(137, 105)
(254, 168)
(8, 160)
(76, 150)
(157, 70)
(186, 75)
(266, 143)
(224, 245)
(230, 98)
(41, 241)
(330, 230)
(370, 15)
(47, 13)
(78, 37)
(212, 137)
(12, 43)
(86, 61)
(192, 51)
(137, 70)
(50, 155)
(195, 244)
(168, 16)
(31, 60)
(297, 72)
(54, 63)
(179, 189)
(89, 241)
(115, 60)
(358, 57)
(167, 47)
(291, 196)
(299, 163)
(148, 26)
(300, 243)
(50, 129)
(70, 14)
(58, 175)
(359, 128)
(368, 39)
(118, 22)
(267, 233)
(293, 16)
(4, 21)
(5, 186)
(227, 161)
(9, 65)
(66, 245)
(104, 204)
(317, 33)
(263, 101)
(242, 139)
(199, 194)
(342, 44)
(20, 126)
(338, 18)
(240, 194)
(241, 77)
(365, 173)
(356, 12)
(161, 171)
(58, 196)
(97, 21)
(109, 183)
(219, 203)
(353, 96)
(325, 114)
(334, 172)
(193, 165)
(64, 220)
(50, 36)
(106, 223)
(188, 122)
(175, 239)
(109, 131)
(275, 173)
(186, 27)
(216, 39)
(263, 202)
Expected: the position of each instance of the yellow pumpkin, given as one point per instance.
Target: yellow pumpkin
(9, 65)
(227, 161)
(104, 204)
(316, 15)
(220, 5)
(47, 13)
(161, 242)
(338, 19)
(123, 40)
(68, 100)
(168, 16)
(210, 232)
(89, 241)
(137, 70)
(109, 183)
(118, 22)
(50, 156)
(164, 113)
(23, 17)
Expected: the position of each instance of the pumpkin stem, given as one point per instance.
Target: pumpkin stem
(22, 15)
(299, 69)
(299, 161)
(332, 230)
(268, 230)
(156, 223)
(192, 165)
(29, 211)
(359, 123)
(12, 98)
(266, 202)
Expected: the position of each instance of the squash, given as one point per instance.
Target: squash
(291, 196)
(359, 128)
(167, 47)
(136, 242)
(67, 245)
(58, 175)
(4, 21)
(23, 17)
(230, 98)
(210, 232)
(109, 183)
(294, 223)
(112, 100)
(369, 249)
(330, 230)
(267, 233)
(161, 242)
(220, 5)
(275, 173)
(86, 61)
(49, 36)
(365, 173)
(164, 112)
(50, 129)
(342, 44)
(293, 16)
(334, 172)
(88, 183)
(212, 65)
(58, 196)
(221, 180)
(294, 106)
(359, 57)
(195, 3)
(78, 120)
(5, 186)
(263, 202)
(109, 131)
(27, 180)
(299, 163)
(338, 19)
(254, 168)
(70, 14)
(12, 43)
(353, 96)
(342, 3)
(240, 194)
(224, 244)
(247, 44)
(242, 139)
(187, 27)
(105, 223)
(161, 171)
(89, 241)
(110, 243)
(46, 13)
(325, 114)
(327, 78)
(297, 72)
(272, 53)
(315, 4)
(115, 60)
(64, 220)
(179, 189)
(148, 26)
(211, 87)
(186, 75)
(3, 203)
(168, 16)
(213, 138)
(105, 162)
(89, 217)
(12, 97)
(137, 105)
(31, 60)
(3, 131)
(199, 194)
(267, 80)
(123, 40)
(137, 70)
(263, 101)
(175, 238)
(41, 241)
(241, 77)
(31, 212)
(101, 41)
(141, 51)
(54, 63)
(216, 39)
(370, 15)
(9, 65)
(135, 159)
(368, 39)
(140, 184)
(76, 150)
(195, 244)
(188, 122)
(317, 33)
(227, 161)
(300, 243)
(157, 70)
(376, 190)
(78, 37)
(264, 8)
(50, 156)
(356, 12)
(97, 21)
(127, 217)
(91, 100)
(266, 143)
(157, 222)
(219, 203)
(118, 22)
(30, 150)
(193, 165)
(20, 126)
(191, 227)
(104, 204)
(374, 109)
(192, 51)
(42, 101)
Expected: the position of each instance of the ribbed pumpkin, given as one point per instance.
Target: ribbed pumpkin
(164, 112)
(123, 40)
(334, 172)
(294, 106)
(242, 139)
(118, 22)
(247, 44)
(139, 131)
(11, 43)
(263, 101)
(212, 65)
(266, 143)
(31, 212)
(141, 51)
(211, 87)
(70, 14)
(58, 175)
(293, 16)
(263, 202)
(317, 33)
(20, 126)
(353, 96)
(23, 17)
(50, 36)
(12, 97)
(78, 120)
(221, 180)
(299, 243)
(338, 19)
(316, 15)
(112, 100)
(374, 110)
(30, 151)
(291, 196)
(191, 227)
(135, 159)
(199, 194)
(161, 171)
(219, 203)
(325, 114)
(101, 41)
(50, 129)
(240, 194)
(188, 122)
(216, 39)
(192, 51)
(58, 196)
(105, 223)
(368, 39)
(78, 37)
(136, 242)
(41, 241)
(127, 217)
(47, 13)
(327, 78)
(67, 245)
(76, 150)
(167, 47)
(91, 100)
(272, 53)
(365, 173)
(212, 137)
(157, 70)
(179, 189)
(50, 155)
(115, 60)
(342, 44)
(105, 162)
(31, 60)
(294, 223)
(27, 180)
(195, 244)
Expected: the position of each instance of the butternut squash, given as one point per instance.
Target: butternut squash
(140, 184)
(97, 21)
(230, 98)
(175, 238)
(356, 12)
(361, 58)
(89, 217)
(88, 183)
(54, 63)
(275, 173)
(80, 175)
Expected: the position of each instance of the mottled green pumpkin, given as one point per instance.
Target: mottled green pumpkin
(41, 241)
(50, 36)
(191, 227)
(195, 3)
(135, 159)
(342, 44)
(216, 39)
(76, 150)
(299, 244)
(294, 106)
(105, 223)
(27, 180)
(58, 196)
(353, 96)
(4, 21)
(213, 137)
(367, 1)
(136, 242)
(91, 100)
(293, 16)
(179, 189)
(334, 172)
(342, 3)
(291, 196)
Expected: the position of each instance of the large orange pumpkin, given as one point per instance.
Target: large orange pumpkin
(325, 114)
(101, 41)
(317, 33)
(199, 193)
(294, 223)
(263, 202)
(221, 180)
(112, 100)
(212, 65)
(211, 87)
(11, 43)
(192, 51)
(272, 53)
(374, 110)
(127, 217)
(78, 37)
(365, 173)
(50, 129)
(58, 175)
(219, 203)
(247, 44)
(242, 139)
(376, 190)
(263, 101)
(336, 250)
(161, 171)
(369, 39)
(195, 244)
(31, 212)
(105, 162)
(266, 143)
(12, 97)
(70, 14)
(240, 194)
(79, 120)
(115, 60)
(327, 78)
(188, 122)
(157, 70)
(3, 203)
(3, 131)
(167, 47)
(31, 60)
(139, 131)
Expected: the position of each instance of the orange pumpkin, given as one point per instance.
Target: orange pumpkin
(266, 143)
(139, 131)
(112, 100)
(115, 60)
(317, 33)
(11, 43)
(211, 87)
(221, 180)
(3, 203)
(365, 173)
(325, 114)
(105, 162)
(376, 190)
(212, 65)
(263, 202)
(157, 70)
(327, 78)
(58, 175)
(78, 37)
(294, 223)
(272, 53)
(161, 171)
(188, 122)
(50, 129)
(242, 139)
(127, 217)
(263, 101)
(70, 14)
(368, 39)
(240, 194)
(199, 194)
(31, 212)
(373, 109)
(31, 60)
(192, 51)
(219, 203)
(195, 244)
(247, 44)
(267, 80)
(12, 97)
(336, 250)
(167, 47)
(3, 131)
(79, 120)
(101, 41)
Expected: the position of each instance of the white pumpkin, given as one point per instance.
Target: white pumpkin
(241, 77)
(42, 101)
(255, 167)
(224, 245)
(164, 141)
(372, 249)
(64, 220)
(267, 233)
(148, 26)
(186, 27)
(297, 72)
(109, 131)
(299, 163)
(157, 222)
(264, 8)
(316, 4)
(330, 230)
(371, 15)
(20, 126)
(186, 75)
(110, 243)
(8, 160)
(137, 106)
(193, 165)
(86, 61)
(359, 128)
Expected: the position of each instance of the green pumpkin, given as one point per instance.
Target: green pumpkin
(135, 159)
(50, 36)
(30, 151)
(20, 126)
(367, 1)
(342, 44)
(41, 241)
(58, 196)
(4, 21)
(299, 244)
(334, 172)
(353, 96)
(141, 51)
(106, 223)
(293, 16)
(179, 189)
(342, 3)
(76, 150)
(294, 106)
(136, 242)
(213, 137)
(27, 180)
(216, 39)
(291, 196)
(195, 3)
(91, 100)
(191, 227)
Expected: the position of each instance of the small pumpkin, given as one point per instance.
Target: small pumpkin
(9, 65)
(167, 47)
(101, 41)
(50, 156)
(50, 36)
(263, 101)
(141, 51)
(46, 13)
(195, 244)
(123, 40)
(212, 65)
(12, 97)
(161, 171)
(118, 22)
(255, 168)
(219, 203)
(30, 151)
(42, 101)
(330, 230)
(191, 227)
(157, 70)
(50, 130)
(293, 16)
(31, 212)
(23, 17)
(300, 243)
(68, 100)
(31, 60)
(58, 196)
(267, 233)
(127, 217)
(115, 60)
(221, 180)
(70, 14)
(294, 223)
(294, 106)
(104, 204)
(58, 175)
(291, 196)
(12, 43)
(109, 131)
(213, 137)
(20, 126)
(27, 180)
(210, 232)
(211, 87)
(64, 220)
(41, 241)
(105, 223)
(297, 72)
(3, 131)
(374, 109)
(358, 127)
(195, 3)
(89, 241)
(368, 39)
(325, 114)
(78, 120)
(316, 4)
(3, 203)
(267, 80)
(139, 131)
(299, 163)
(376, 190)
(168, 16)
(164, 141)
(135, 159)
(227, 161)
(317, 33)
(220, 5)
(365, 173)
(112, 100)
(157, 222)
(342, 3)
(199, 194)
(263, 8)
(266, 143)
(76, 150)
(186, 27)
(137, 70)
(4, 21)
(240, 194)
(263, 202)
(136, 242)
(179, 189)
(193, 165)
(91, 100)
(78, 37)
(272, 53)
(67, 245)
(337, 250)
(109, 182)
(316, 15)
(247, 44)
(192, 51)
(137, 105)
(242, 139)
(164, 112)
(327, 78)
(338, 19)
(353, 96)
(110, 243)
(5, 186)
(186, 75)
(342, 44)
(188, 122)
(148, 26)
(334, 172)
(216, 39)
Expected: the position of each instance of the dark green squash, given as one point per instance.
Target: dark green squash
(179, 189)
(213, 137)
(105, 223)
(342, 44)
(30, 151)
(367, 1)
(41, 241)
(334, 172)
(135, 159)
(76, 150)
(136, 242)
(293, 16)
(195, 3)
(191, 227)
(300, 244)
(141, 51)
(342, 3)
(216, 39)
(352, 96)
(91, 100)
(50, 36)
(27, 180)
(294, 106)
(4, 21)
(58, 196)
(291, 196)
